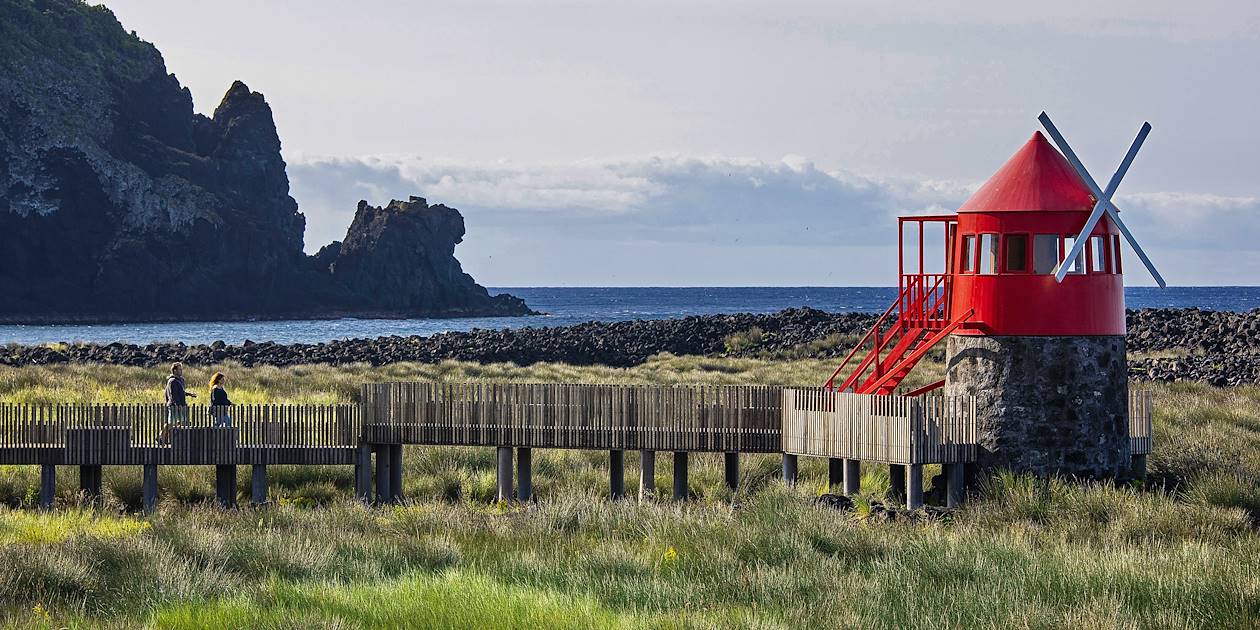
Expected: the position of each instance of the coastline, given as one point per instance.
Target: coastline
(1219, 347)
(119, 318)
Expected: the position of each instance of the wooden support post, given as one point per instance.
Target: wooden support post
(503, 475)
(616, 474)
(395, 473)
(835, 474)
(525, 474)
(731, 467)
(914, 486)
(852, 476)
(225, 475)
(955, 490)
(258, 484)
(1137, 466)
(789, 469)
(47, 485)
(149, 488)
(382, 474)
(90, 482)
(680, 476)
(363, 473)
(647, 474)
(897, 481)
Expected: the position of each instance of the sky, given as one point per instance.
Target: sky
(729, 143)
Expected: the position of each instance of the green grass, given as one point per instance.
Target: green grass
(333, 384)
(1178, 551)
(744, 340)
(40, 528)
(450, 599)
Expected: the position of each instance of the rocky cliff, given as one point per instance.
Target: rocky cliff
(117, 201)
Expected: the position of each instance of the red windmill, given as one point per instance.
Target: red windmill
(1004, 274)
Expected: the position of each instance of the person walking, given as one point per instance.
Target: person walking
(219, 401)
(176, 402)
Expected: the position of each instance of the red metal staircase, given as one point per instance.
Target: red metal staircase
(922, 320)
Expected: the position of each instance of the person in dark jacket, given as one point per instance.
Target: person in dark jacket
(219, 401)
(176, 402)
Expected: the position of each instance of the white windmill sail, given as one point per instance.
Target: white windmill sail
(1104, 203)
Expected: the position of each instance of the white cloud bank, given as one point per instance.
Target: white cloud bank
(675, 220)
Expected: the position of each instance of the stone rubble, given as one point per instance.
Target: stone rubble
(1221, 348)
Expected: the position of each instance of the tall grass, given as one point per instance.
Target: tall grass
(1181, 550)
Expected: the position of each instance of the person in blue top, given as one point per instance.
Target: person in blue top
(219, 401)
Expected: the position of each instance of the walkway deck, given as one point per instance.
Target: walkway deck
(87, 434)
(847, 428)
(714, 418)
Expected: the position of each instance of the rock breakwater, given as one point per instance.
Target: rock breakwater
(1222, 348)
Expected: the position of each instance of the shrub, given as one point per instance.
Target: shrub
(746, 340)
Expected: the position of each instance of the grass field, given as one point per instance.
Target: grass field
(1180, 551)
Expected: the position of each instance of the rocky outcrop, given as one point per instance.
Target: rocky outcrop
(118, 202)
(402, 255)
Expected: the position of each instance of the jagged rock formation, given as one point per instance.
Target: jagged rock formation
(402, 254)
(117, 201)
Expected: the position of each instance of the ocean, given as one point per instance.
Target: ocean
(571, 305)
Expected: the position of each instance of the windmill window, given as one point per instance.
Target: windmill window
(1016, 253)
(1045, 253)
(1077, 265)
(1098, 254)
(989, 253)
(969, 253)
(1115, 254)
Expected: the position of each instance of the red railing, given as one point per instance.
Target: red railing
(922, 305)
(872, 333)
(924, 301)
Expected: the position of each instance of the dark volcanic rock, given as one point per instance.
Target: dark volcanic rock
(799, 332)
(1217, 347)
(1045, 405)
(835, 502)
(117, 201)
(402, 255)
(619, 344)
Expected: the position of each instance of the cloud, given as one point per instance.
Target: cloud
(667, 198)
(1194, 221)
(577, 222)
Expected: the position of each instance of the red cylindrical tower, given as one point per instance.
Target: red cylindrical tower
(1045, 360)
(1010, 236)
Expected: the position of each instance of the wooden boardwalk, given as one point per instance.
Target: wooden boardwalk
(88, 434)
(847, 429)
(715, 418)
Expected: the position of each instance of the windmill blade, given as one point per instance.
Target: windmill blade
(1108, 206)
(1100, 207)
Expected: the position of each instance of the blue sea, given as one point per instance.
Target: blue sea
(572, 305)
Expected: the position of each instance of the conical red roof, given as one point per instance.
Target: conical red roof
(1036, 178)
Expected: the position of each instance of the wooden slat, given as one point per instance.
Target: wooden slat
(539, 415)
(868, 427)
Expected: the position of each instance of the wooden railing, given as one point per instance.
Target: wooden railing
(1140, 406)
(553, 415)
(94, 434)
(750, 419)
(892, 429)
